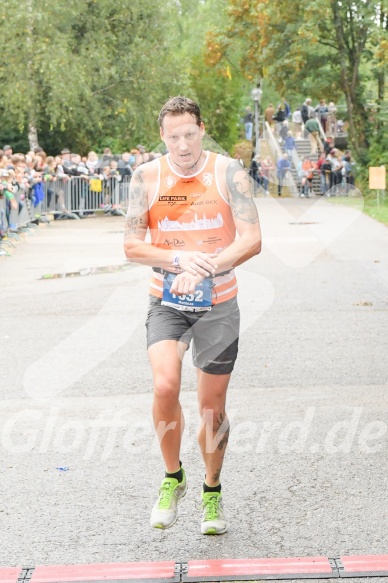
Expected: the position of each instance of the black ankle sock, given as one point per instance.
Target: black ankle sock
(177, 475)
(207, 488)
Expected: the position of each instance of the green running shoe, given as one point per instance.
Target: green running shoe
(165, 510)
(213, 519)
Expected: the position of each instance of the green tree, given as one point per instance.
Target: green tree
(92, 72)
(218, 88)
(315, 47)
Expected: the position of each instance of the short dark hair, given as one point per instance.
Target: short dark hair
(178, 106)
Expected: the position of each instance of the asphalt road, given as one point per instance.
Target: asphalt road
(306, 469)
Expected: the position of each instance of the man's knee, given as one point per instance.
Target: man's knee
(214, 415)
(166, 389)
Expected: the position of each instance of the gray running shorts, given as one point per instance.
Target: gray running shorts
(214, 333)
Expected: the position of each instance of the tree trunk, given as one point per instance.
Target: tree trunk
(381, 68)
(350, 62)
(32, 130)
(381, 85)
(32, 136)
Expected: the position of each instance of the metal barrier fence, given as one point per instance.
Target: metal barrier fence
(15, 218)
(65, 197)
(75, 194)
(16, 213)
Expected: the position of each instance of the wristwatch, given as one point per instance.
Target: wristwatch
(175, 259)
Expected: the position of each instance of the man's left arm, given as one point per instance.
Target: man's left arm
(245, 217)
(246, 220)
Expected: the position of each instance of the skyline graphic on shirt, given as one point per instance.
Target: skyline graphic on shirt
(198, 224)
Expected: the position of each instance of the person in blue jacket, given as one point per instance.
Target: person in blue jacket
(282, 167)
(289, 144)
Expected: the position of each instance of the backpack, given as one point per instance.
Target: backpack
(304, 110)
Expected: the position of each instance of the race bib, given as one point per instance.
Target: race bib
(199, 300)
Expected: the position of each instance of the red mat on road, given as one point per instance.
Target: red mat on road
(223, 569)
(102, 572)
(371, 565)
(206, 571)
(9, 574)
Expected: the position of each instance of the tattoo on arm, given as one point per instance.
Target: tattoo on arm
(138, 206)
(240, 186)
(133, 225)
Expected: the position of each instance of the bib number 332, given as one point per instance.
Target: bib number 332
(200, 300)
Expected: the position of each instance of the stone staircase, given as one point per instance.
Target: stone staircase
(265, 152)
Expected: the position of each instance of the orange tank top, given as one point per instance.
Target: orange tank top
(190, 213)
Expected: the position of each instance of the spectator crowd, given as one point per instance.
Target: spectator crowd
(327, 114)
(306, 122)
(26, 179)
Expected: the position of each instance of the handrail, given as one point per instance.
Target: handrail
(277, 153)
(274, 145)
(322, 133)
(295, 128)
(295, 159)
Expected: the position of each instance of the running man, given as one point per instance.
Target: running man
(193, 202)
